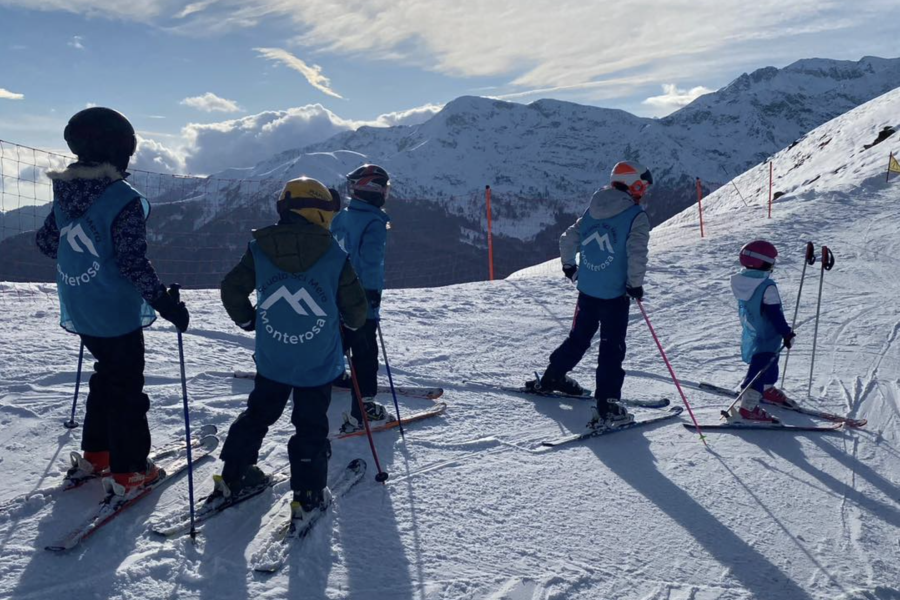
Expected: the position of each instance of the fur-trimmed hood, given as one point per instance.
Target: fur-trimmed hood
(77, 186)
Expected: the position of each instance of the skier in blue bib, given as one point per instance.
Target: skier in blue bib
(107, 292)
(306, 290)
(612, 239)
(361, 230)
(765, 330)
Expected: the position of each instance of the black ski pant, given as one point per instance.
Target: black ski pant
(364, 352)
(308, 449)
(611, 317)
(115, 417)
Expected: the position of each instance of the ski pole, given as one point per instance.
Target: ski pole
(752, 381)
(187, 416)
(827, 264)
(71, 423)
(387, 367)
(671, 372)
(381, 477)
(810, 259)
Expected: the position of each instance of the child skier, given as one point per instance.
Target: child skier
(361, 230)
(107, 292)
(612, 239)
(306, 287)
(765, 330)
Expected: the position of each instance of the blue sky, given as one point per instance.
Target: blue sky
(217, 83)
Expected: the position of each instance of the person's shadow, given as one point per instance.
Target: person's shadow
(789, 449)
(634, 464)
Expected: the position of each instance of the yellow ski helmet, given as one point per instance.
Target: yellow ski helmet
(311, 200)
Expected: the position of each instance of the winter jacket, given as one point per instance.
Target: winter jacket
(607, 203)
(759, 306)
(74, 191)
(361, 230)
(293, 245)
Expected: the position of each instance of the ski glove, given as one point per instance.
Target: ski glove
(374, 298)
(353, 338)
(635, 292)
(571, 271)
(172, 309)
(789, 340)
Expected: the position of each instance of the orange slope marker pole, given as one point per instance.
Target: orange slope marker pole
(700, 205)
(770, 190)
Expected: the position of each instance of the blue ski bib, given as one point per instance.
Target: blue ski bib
(759, 334)
(298, 338)
(603, 260)
(94, 298)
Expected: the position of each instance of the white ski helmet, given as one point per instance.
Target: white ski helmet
(633, 177)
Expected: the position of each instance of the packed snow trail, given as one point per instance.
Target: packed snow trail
(470, 511)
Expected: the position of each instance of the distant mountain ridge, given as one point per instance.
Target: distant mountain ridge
(542, 160)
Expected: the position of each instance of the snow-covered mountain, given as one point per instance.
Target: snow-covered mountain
(473, 508)
(542, 161)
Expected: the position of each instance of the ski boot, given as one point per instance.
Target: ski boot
(551, 382)
(773, 395)
(749, 410)
(609, 414)
(225, 486)
(306, 503)
(127, 484)
(86, 466)
(374, 412)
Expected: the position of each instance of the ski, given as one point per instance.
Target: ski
(588, 395)
(811, 412)
(426, 393)
(764, 427)
(112, 506)
(180, 523)
(592, 433)
(69, 483)
(434, 411)
(282, 532)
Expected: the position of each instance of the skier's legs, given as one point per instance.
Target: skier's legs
(94, 437)
(245, 436)
(309, 448)
(123, 405)
(584, 326)
(365, 361)
(757, 363)
(613, 329)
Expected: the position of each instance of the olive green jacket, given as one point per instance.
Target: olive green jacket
(294, 245)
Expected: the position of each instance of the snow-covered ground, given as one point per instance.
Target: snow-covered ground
(473, 509)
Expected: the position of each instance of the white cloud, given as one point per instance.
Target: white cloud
(76, 42)
(243, 142)
(413, 116)
(193, 8)
(8, 95)
(674, 97)
(209, 102)
(91, 105)
(153, 156)
(313, 74)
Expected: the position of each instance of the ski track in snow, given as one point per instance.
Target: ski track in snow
(471, 509)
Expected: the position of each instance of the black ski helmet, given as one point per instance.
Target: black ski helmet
(101, 135)
(370, 183)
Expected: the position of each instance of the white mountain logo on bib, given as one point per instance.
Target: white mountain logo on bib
(602, 241)
(295, 300)
(76, 234)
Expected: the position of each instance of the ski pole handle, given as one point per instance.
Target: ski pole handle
(827, 259)
(810, 253)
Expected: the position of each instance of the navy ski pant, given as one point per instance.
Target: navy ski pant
(308, 449)
(115, 414)
(611, 317)
(365, 361)
(758, 362)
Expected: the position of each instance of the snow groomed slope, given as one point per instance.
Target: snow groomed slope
(471, 509)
